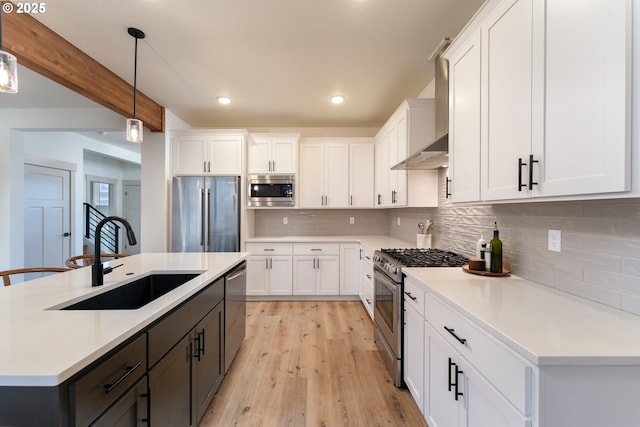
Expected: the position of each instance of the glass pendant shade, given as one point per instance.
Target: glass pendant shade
(8, 73)
(134, 130)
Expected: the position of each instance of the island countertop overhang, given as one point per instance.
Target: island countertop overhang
(43, 346)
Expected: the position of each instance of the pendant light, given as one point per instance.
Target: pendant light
(134, 126)
(8, 67)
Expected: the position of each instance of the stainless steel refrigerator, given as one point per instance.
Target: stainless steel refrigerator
(206, 214)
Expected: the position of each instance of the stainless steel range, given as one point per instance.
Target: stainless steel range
(389, 290)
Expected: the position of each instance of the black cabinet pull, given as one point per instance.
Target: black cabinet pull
(451, 364)
(410, 296)
(379, 199)
(202, 341)
(457, 393)
(196, 352)
(447, 193)
(108, 388)
(531, 162)
(520, 165)
(452, 332)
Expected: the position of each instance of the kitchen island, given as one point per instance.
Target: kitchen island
(45, 350)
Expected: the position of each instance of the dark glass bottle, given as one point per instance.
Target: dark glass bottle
(496, 251)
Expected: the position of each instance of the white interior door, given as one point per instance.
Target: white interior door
(132, 208)
(47, 222)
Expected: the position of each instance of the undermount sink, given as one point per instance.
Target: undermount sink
(135, 294)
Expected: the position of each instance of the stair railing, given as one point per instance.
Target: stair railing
(110, 231)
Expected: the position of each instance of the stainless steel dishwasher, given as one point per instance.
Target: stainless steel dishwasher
(235, 312)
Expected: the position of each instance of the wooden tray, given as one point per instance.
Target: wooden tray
(505, 272)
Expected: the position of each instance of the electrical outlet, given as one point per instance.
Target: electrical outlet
(285, 220)
(398, 220)
(352, 220)
(555, 240)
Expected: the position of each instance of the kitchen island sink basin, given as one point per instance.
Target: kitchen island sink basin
(135, 294)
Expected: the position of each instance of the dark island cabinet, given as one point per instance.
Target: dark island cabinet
(166, 375)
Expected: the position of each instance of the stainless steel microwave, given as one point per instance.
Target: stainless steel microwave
(271, 191)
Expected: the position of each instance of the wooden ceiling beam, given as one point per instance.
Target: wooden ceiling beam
(39, 48)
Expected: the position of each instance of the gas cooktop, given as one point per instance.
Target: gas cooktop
(414, 257)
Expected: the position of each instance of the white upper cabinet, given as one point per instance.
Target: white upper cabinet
(464, 121)
(207, 152)
(336, 173)
(410, 127)
(507, 99)
(361, 170)
(273, 153)
(587, 91)
(554, 106)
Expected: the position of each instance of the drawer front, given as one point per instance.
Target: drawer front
(168, 331)
(510, 374)
(414, 296)
(316, 248)
(269, 248)
(107, 381)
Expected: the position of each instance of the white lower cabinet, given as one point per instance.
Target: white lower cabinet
(316, 269)
(366, 278)
(269, 269)
(349, 269)
(414, 361)
(304, 269)
(458, 395)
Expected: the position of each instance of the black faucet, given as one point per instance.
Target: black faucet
(97, 273)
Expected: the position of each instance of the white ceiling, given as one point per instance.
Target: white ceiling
(278, 60)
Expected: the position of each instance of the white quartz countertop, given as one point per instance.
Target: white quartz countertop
(372, 241)
(41, 346)
(544, 325)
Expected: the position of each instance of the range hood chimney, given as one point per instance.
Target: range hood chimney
(435, 153)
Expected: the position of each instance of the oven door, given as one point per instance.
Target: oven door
(388, 310)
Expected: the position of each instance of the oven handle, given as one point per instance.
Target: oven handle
(386, 282)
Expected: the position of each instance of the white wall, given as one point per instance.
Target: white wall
(18, 128)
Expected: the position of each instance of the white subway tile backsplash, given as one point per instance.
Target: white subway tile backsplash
(614, 281)
(590, 292)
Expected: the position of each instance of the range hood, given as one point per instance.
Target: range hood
(434, 154)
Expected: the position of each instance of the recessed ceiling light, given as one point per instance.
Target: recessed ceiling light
(224, 100)
(337, 99)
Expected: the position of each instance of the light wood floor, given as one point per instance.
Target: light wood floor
(310, 363)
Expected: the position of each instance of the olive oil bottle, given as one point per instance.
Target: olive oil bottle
(496, 251)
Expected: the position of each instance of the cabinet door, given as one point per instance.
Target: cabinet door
(361, 173)
(485, 407)
(258, 275)
(130, 411)
(414, 361)
(225, 155)
(311, 193)
(170, 387)
(441, 408)
(259, 149)
(328, 275)
(304, 275)
(189, 154)
(284, 153)
(382, 170)
(507, 98)
(336, 175)
(587, 82)
(280, 275)
(464, 122)
(349, 269)
(208, 360)
(397, 150)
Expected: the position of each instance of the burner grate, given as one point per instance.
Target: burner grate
(413, 257)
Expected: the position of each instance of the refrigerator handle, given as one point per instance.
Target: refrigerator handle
(208, 215)
(202, 216)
